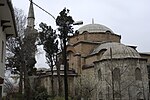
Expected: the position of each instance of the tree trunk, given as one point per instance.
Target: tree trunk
(20, 83)
(59, 78)
(52, 80)
(65, 62)
(27, 91)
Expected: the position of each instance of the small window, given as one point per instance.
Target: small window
(99, 74)
(85, 36)
(2, 53)
(138, 74)
(116, 74)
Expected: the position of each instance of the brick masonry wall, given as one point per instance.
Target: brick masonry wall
(94, 37)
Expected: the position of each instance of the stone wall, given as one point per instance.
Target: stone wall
(91, 59)
(128, 87)
(85, 48)
(94, 37)
(46, 82)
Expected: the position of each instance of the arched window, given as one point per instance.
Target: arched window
(116, 74)
(108, 33)
(70, 58)
(99, 74)
(138, 74)
(85, 35)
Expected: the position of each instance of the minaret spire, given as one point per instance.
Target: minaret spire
(31, 17)
(92, 20)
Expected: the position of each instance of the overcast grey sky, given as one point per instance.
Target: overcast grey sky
(128, 18)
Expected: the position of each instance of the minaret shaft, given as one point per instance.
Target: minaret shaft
(31, 17)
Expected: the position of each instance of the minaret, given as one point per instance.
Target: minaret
(92, 20)
(31, 17)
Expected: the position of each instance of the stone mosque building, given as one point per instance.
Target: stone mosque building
(101, 67)
(116, 70)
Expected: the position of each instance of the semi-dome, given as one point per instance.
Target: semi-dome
(118, 51)
(94, 28)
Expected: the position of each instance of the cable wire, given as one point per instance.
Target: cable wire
(43, 9)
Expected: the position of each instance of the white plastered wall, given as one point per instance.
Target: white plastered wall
(2, 64)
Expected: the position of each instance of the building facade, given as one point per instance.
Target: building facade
(121, 73)
(100, 66)
(7, 28)
(107, 68)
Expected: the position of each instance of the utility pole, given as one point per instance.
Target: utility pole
(65, 33)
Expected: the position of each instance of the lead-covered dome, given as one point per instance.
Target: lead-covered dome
(118, 51)
(94, 28)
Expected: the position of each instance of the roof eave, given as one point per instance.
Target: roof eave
(8, 23)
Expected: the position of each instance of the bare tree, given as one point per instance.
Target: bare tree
(13, 45)
(65, 22)
(21, 51)
(119, 78)
(8, 86)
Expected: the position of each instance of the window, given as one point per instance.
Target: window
(138, 74)
(70, 57)
(85, 35)
(2, 53)
(116, 74)
(99, 74)
(108, 33)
